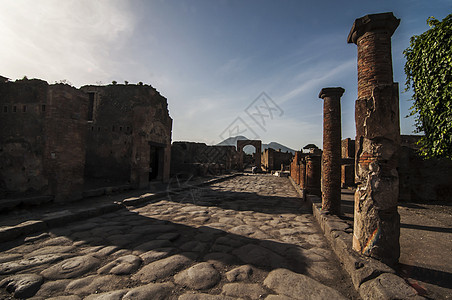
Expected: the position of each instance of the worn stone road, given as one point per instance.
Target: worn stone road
(249, 237)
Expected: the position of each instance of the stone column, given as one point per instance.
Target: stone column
(376, 220)
(331, 158)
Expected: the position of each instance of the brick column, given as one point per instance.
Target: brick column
(376, 220)
(331, 158)
(312, 182)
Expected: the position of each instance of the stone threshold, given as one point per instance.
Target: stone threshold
(371, 278)
(66, 216)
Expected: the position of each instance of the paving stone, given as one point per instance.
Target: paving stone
(220, 259)
(198, 277)
(151, 245)
(240, 273)
(122, 240)
(57, 241)
(19, 265)
(23, 285)
(51, 250)
(70, 297)
(251, 290)
(112, 295)
(5, 257)
(36, 237)
(154, 291)
(260, 256)
(162, 268)
(91, 284)
(299, 286)
(170, 236)
(105, 251)
(50, 288)
(194, 246)
(278, 297)
(121, 266)
(71, 268)
(195, 296)
(156, 254)
(387, 286)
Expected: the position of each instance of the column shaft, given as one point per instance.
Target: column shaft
(331, 158)
(376, 220)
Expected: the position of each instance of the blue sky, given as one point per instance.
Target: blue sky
(212, 59)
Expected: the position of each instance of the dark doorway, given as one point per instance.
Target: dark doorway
(154, 162)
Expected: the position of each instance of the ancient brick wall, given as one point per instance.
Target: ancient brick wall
(298, 168)
(65, 138)
(273, 159)
(348, 163)
(192, 158)
(23, 109)
(130, 125)
(42, 136)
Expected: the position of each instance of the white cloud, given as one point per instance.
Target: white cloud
(53, 40)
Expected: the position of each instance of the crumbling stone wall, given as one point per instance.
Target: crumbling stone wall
(199, 159)
(423, 180)
(42, 139)
(273, 159)
(347, 163)
(298, 168)
(127, 123)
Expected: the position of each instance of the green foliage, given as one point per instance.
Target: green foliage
(114, 82)
(429, 74)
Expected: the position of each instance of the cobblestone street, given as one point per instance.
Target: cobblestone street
(249, 237)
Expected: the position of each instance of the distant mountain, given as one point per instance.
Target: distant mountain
(232, 141)
(277, 146)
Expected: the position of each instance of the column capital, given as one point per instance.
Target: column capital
(331, 92)
(383, 21)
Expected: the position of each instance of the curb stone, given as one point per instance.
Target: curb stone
(371, 278)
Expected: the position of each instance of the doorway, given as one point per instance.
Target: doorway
(153, 162)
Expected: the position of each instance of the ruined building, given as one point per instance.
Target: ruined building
(198, 159)
(58, 140)
(129, 134)
(273, 159)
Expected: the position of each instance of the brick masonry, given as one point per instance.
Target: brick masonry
(376, 220)
(331, 158)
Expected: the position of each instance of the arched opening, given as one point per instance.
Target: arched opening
(257, 145)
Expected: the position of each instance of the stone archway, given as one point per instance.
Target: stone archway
(257, 157)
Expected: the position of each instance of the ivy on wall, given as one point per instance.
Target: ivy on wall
(428, 71)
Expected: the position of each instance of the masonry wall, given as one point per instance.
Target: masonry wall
(22, 137)
(65, 136)
(272, 159)
(347, 163)
(127, 120)
(190, 158)
(41, 139)
(423, 180)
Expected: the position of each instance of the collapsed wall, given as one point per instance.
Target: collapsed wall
(199, 159)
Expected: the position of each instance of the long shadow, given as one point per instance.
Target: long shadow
(238, 201)
(427, 228)
(436, 277)
(137, 233)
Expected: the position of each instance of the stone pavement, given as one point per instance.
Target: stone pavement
(250, 237)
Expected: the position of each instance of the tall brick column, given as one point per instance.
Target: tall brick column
(376, 220)
(331, 158)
